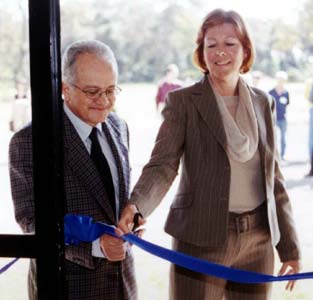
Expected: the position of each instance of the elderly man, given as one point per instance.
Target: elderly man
(96, 174)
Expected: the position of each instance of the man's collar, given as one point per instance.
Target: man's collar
(83, 129)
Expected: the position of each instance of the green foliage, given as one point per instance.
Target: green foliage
(146, 36)
(260, 31)
(305, 26)
(144, 40)
(305, 35)
(14, 53)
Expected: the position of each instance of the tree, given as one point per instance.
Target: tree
(14, 49)
(147, 35)
(305, 26)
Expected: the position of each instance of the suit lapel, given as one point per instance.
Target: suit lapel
(120, 153)
(83, 167)
(205, 102)
(259, 108)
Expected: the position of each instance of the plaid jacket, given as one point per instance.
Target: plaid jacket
(88, 277)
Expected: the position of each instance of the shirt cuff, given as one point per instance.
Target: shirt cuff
(96, 250)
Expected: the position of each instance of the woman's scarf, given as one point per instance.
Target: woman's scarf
(241, 131)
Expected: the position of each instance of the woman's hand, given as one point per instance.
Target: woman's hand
(126, 223)
(290, 267)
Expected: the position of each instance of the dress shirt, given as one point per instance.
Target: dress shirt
(83, 129)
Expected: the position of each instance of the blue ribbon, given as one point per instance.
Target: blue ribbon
(82, 229)
(8, 265)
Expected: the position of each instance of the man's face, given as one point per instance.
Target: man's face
(92, 73)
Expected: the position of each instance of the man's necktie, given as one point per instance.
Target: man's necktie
(102, 165)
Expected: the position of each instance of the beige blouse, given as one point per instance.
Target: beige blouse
(246, 186)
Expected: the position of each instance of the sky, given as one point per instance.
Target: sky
(260, 9)
(264, 9)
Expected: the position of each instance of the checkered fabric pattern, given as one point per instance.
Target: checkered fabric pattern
(87, 277)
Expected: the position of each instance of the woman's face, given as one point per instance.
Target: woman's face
(223, 52)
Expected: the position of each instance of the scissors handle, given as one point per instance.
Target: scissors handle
(136, 220)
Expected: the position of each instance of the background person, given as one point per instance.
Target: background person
(168, 83)
(21, 112)
(281, 96)
(309, 96)
(96, 175)
(310, 174)
(256, 78)
(231, 206)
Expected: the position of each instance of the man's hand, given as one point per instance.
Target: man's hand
(114, 249)
(290, 267)
(126, 222)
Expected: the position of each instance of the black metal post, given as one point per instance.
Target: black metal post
(44, 26)
(18, 245)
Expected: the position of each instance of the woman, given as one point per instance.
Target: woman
(231, 205)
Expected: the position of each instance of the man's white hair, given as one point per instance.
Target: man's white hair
(75, 49)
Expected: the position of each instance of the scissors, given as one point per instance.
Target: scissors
(135, 228)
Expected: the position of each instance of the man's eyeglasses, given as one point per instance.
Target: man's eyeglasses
(96, 93)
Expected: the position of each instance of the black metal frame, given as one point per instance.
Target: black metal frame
(47, 244)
